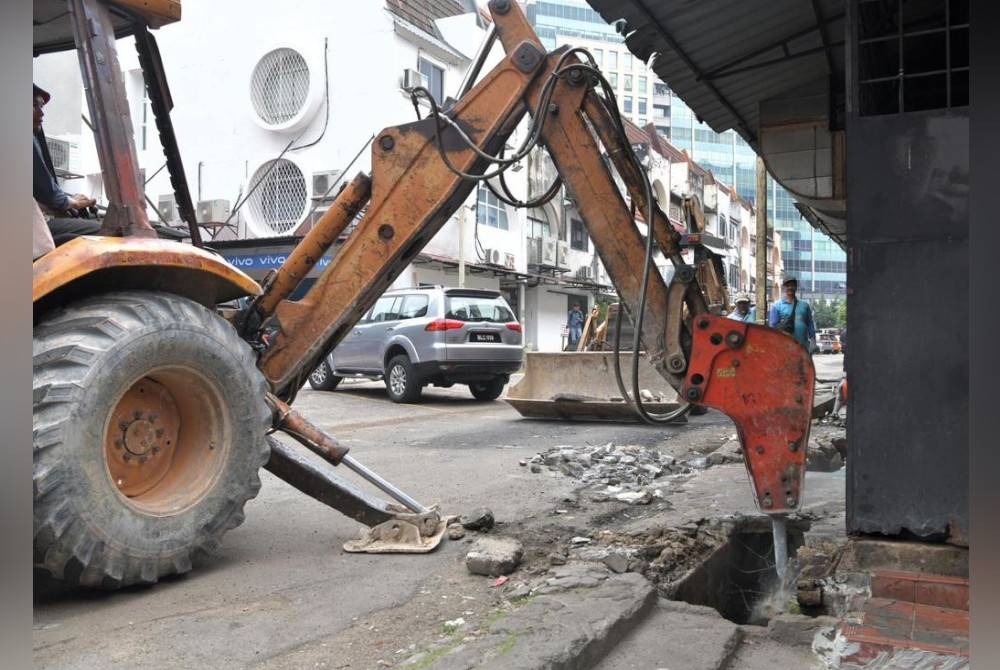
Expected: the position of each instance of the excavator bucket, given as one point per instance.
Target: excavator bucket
(581, 385)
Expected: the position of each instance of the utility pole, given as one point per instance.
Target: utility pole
(461, 245)
(761, 246)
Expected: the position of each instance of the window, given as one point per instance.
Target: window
(414, 306)
(578, 236)
(599, 57)
(628, 82)
(628, 61)
(435, 78)
(643, 121)
(612, 60)
(661, 111)
(279, 86)
(490, 211)
(539, 227)
(613, 80)
(642, 85)
(385, 309)
(642, 105)
(660, 89)
(472, 308)
(627, 104)
(912, 56)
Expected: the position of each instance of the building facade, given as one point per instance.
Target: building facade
(817, 262)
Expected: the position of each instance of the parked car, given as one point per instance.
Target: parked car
(828, 344)
(442, 336)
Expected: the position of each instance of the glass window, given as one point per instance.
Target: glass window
(627, 104)
(435, 78)
(612, 60)
(386, 309)
(578, 236)
(660, 89)
(642, 85)
(476, 308)
(628, 82)
(642, 105)
(599, 57)
(490, 211)
(414, 306)
(628, 61)
(613, 80)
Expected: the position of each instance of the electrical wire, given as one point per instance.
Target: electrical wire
(532, 140)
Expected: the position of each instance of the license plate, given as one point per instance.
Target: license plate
(484, 337)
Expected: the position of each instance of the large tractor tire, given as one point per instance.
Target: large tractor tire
(149, 431)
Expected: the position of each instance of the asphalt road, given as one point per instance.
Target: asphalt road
(282, 590)
(282, 581)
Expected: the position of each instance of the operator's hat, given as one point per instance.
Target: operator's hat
(791, 281)
(742, 297)
(39, 91)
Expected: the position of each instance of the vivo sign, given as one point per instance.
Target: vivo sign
(266, 261)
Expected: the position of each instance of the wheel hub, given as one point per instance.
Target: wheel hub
(141, 437)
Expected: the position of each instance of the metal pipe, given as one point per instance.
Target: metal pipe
(477, 61)
(384, 486)
(323, 444)
(779, 529)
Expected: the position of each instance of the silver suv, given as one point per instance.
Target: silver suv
(440, 336)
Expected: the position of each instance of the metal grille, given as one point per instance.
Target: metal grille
(913, 55)
(59, 151)
(279, 86)
(279, 197)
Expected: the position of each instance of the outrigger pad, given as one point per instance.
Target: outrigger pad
(764, 380)
(407, 533)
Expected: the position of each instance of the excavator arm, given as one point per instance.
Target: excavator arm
(423, 171)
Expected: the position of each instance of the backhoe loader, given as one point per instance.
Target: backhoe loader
(154, 405)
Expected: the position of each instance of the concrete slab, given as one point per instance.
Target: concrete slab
(561, 630)
(677, 636)
(764, 654)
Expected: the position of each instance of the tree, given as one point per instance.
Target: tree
(829, 313)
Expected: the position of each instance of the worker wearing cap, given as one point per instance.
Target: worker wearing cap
(63, 209)
(743, 311)
(794, 316)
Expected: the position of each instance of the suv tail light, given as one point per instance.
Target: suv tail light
(444, 324)
(515, 326)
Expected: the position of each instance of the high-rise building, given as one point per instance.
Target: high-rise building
(808, 255)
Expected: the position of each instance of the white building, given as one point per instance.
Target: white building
(273, 109)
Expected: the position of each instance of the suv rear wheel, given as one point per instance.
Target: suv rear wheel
(490, 390)
(323, 379)
(401, 380)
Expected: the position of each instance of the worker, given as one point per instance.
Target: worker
(743, 311)
(574, 321)
(794, 316)
(65, 211)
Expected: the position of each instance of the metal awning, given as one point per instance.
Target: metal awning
(767, 70)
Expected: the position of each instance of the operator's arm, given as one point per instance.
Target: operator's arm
(44, 186)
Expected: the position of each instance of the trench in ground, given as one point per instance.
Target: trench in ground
(739, 579)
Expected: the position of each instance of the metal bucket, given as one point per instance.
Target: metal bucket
(581, 385)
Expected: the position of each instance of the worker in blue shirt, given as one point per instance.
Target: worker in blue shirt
(794, 316)
(742, 311)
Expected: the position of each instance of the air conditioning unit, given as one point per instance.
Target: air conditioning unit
(493, 256)
(509, 261)
(412, 79)
(213, 211)
(548, 251)
(562, 252)
(583, 272)
(65, 155)
(322, 184)
(167, 206)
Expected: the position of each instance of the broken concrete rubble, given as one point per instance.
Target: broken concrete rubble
(494, 556)
(479, 519)
(823, 456)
